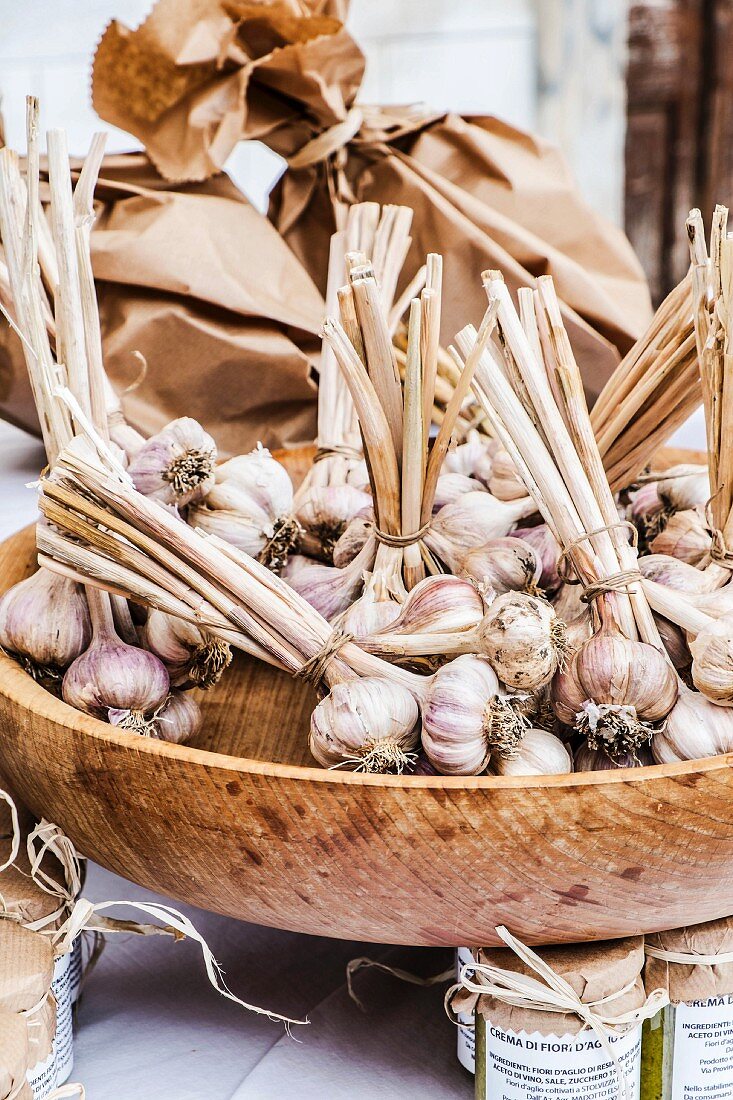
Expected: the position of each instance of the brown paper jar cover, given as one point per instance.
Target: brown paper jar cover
(20, 897)
(41, 1032)
(201, 284)
(26, 967)
(594, 970)
(198, 76)
(692, 982)
(14, 1053)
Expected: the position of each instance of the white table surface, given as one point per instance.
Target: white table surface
(151, 1027)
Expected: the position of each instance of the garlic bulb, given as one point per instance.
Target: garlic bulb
(370, 613)
(505, 564)
(474, 458)
(712, 661)
(547, 550)
(439, 605)
(189, 654)
(598, 760)
(451, 486)
(470, 521)
(575, 613)
(613, 689)
(684, 486)
(44, 620)
(353, 539)
(176, 466)
(179, 719)
(646, 505)
(523, 639)
(366, 725)
(675, 643)
(324, 513)
(540, 753)
(466, 718)
(505, 482)
(667, 570)
(685, 537)
(695, 728)
(250, 506)
(111, 676)
(330, 590)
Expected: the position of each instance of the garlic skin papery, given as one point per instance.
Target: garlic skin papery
(695, 728)
(176, 466)
(505, 483)
(113, 676)
(466, 718)
(675, 643)
(250, 506)
(712, 661)
(451, 486)
(645, 506)
(684, 486)
(540, 753)
(575, 613)
(613, 689)
(352, 541)
(598, 760)
(547, 550)
(366, 725)
(439, 605)
(324, 513)
(664, 569)
(190, 655)
(179, 719)
(471, 521)
(474, 458)
(44, 621)
(685, 537)
(523, 639)
(505, 564)
(372, 612)
(330, 590)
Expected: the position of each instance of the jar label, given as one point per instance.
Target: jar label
(702, 1059)
(61, 987)
(466, 1029)
(522, 1066)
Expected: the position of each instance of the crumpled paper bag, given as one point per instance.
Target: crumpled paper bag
(200, 75)
(202, 285)
(14, 1055)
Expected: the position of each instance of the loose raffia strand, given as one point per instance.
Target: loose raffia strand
(401, 540)
(314, 670)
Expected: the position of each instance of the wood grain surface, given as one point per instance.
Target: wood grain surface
(241, 824)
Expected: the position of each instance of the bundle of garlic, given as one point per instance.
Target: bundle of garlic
(618, 685)
(332, 492)
(99, 528)
(84, 642)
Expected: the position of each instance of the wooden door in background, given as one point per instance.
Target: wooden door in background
(679, 139)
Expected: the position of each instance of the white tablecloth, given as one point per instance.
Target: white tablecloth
(151, 1027)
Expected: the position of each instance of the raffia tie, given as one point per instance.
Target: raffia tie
(329, 142)
(401, 540)
(687, 958)
(551, 993)
(616, 582)
(314, 669)
(719, 553)
(334, 450)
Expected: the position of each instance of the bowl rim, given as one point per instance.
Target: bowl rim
(21, 690)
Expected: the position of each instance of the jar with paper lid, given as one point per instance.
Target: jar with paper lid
(558, 1021)
(688, 1046)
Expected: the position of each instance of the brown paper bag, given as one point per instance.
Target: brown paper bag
(198, 282)
(14, 1055)
(200, 75)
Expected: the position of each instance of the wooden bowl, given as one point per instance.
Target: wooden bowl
(242, 824)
